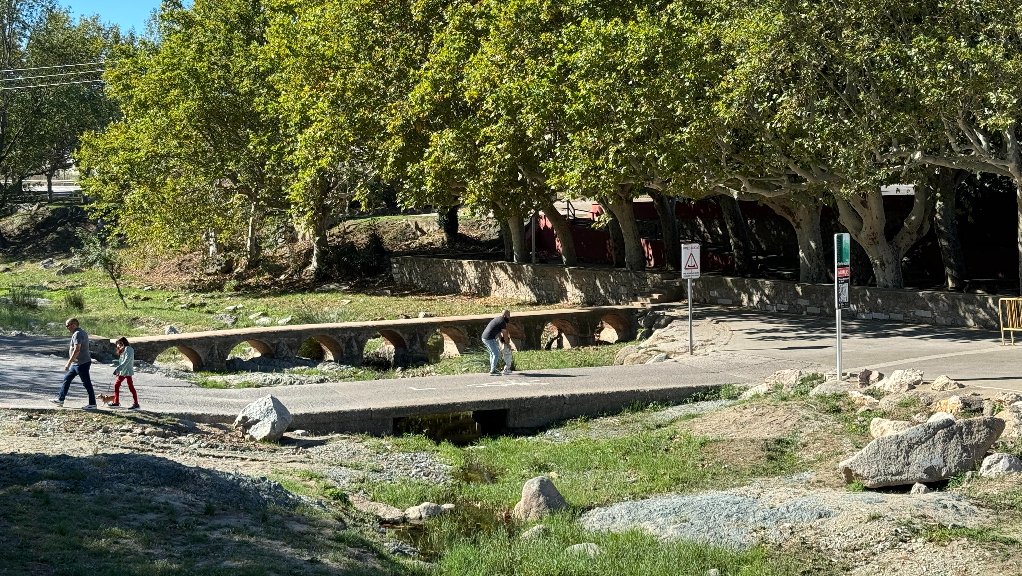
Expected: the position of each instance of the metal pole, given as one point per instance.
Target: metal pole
(689, 315)
(837, 313)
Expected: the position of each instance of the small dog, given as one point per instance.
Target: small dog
(107, 398)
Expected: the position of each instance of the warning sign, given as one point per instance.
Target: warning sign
(690, 260)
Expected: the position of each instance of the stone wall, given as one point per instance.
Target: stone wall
(915, 306)
(539, 283)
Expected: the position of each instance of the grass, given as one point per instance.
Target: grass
(502, 552)
(151, 309)
(115, 515)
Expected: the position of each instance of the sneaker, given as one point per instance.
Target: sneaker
(133, 407)
(114, 404)
(506, 372)
(89, 407)
(57, 401)
(494, 373)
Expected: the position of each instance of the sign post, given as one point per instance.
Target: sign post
(842, 277)
(689, 270)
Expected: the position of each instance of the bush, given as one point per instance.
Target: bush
(22, 297)
(349, 260)
(74, 300)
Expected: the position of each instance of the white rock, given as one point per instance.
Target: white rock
(537, 531)
(937, 416)
(999, 464)
(584, 549)
(918, 488)
(265, 419)
(944, 384)
(880, 427)
(424, 511)
(900, 381)
(539, 498)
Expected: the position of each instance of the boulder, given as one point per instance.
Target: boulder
(1012, 417)
(385, 512)
(265, 419)
(929, 452)
(999, 464)
(900, 381)
(536, 532)
(945, 384)
(784, 379)
(955, 405)
(938, 416)
(869, 377)
(757, 390)
(862, 400)
(833, 387)
(539, 498)
(584, 549)
(880, 427)
(918, 488)
(657, 359)
(424, 511)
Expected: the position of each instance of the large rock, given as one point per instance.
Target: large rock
(834, 387)
(880, 427)
(784, 379)
(424, 511)
(929, 452)
(900, 381)
(385, 512)
(265, 419)
(999, 464)
(945, 384)
(957, 404)
(1012, 417)
(539, 498)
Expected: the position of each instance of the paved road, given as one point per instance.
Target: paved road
(760, 344)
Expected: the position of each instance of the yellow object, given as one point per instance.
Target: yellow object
(1009, 310)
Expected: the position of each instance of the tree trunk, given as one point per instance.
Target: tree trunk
(562, 230)
(738, 232)
(945, 221)
(505, 239)
(515, 226)
(448, 220)
(617, 240)
(669, 226)
(621, 205)
(804, 217)
(865, 220)
(317, 225)
(252, 239)
(49, 187)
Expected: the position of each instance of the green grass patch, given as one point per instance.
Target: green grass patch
(945, 535)
(502, 552)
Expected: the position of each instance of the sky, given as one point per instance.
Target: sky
(128, 14)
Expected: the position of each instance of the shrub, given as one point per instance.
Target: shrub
(74, 300)
(22, 297)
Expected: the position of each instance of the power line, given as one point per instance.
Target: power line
(10, 70)
(77, 73)
(53, 84)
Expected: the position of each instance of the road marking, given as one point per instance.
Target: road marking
(932, 357)
(420, 389)
(505, 384)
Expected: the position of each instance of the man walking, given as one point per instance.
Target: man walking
(78, 363)
(494, 330)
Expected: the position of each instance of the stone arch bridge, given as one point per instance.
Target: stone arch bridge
(405, 339)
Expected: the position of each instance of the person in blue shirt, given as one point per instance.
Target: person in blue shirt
(497, 328)
(124, 369)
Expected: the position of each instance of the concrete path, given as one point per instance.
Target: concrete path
(30, 370)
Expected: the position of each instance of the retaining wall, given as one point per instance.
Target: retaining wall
(908, 305)
(538, 283)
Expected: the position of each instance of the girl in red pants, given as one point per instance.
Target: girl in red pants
(124, 369)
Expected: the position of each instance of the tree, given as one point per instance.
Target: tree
(42, 114)
(339, 67)
(96, 252)
(193, 156)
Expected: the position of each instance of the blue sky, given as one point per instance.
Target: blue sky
(127, 14)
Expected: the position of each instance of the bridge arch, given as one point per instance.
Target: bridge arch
(329, 347)
(614, 328)
(455, 341)
(560, 333)
(261, 348)
(192, 357)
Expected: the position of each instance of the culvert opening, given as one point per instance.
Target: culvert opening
(458, 428)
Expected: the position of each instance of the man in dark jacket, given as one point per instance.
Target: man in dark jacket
(494, 330)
